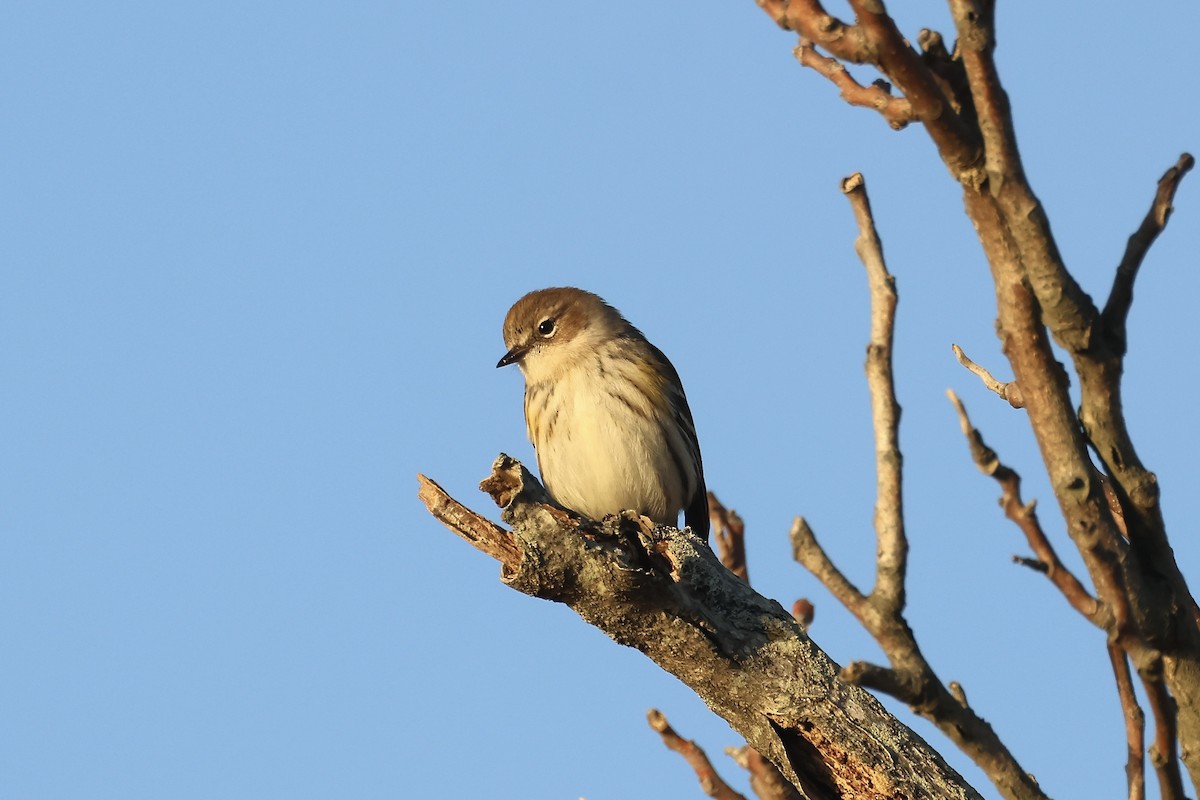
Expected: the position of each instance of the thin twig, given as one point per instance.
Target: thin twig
(729, 532)
(1164, 751)
(1025, 516)
(1116, 310)
(910, 678)
(1135, 724)
(809, 553)
(1132, 498)
(711, 782)
(892, 552)
(1009, 392)
(896, 110)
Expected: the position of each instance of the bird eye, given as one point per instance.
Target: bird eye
(546, 327)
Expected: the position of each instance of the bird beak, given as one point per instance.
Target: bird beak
(513, 356)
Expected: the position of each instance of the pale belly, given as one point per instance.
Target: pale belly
(604, 458)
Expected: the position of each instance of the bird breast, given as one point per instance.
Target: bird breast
(601, 442)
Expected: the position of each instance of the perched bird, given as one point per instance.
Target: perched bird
(605, 411)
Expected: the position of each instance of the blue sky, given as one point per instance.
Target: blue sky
(257, 259)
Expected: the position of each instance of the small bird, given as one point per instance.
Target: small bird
(605, 411)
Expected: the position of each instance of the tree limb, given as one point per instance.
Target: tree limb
(1155, 614)
(663, 592)
(730, 536)
(910, 677)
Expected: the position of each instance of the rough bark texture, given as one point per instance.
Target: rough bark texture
(663, 592)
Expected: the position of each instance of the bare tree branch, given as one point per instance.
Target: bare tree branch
(877, 41)
(897, 60)
(1023, 255)
(809, 554)
(1103, 616)
(1162, 611)
(711, 782)
(1068, 310)
(1034, 290)
(1163, 751)
(1022, 252)
(1025, 516)
(1135, 724)
(892, 552)
(1116, 310)
(729, 532)
(899, 684)
(730, 535)
(896, 110)
(910, 677)
(1100, 370)
(657, 590)
(663, 592)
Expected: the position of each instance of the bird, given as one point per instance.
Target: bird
(605, 411)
